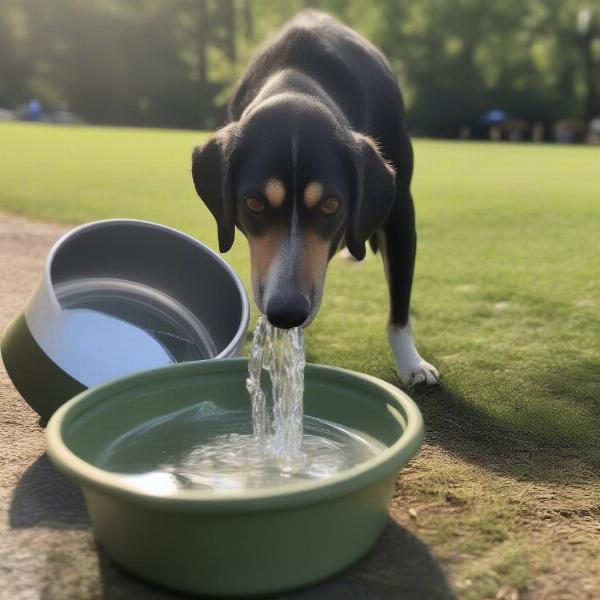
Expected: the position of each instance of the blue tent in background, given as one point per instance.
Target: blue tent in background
(493, 117)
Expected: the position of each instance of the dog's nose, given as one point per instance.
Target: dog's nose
(288, 310)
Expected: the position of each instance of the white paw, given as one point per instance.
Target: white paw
(411, 368)
(419, 373)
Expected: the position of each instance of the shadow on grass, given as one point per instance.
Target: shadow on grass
(456, 424)
(398, 566)
(462, 427)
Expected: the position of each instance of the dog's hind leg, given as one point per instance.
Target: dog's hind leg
(397, 242)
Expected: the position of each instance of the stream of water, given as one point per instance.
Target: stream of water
(205, 446)
(277, 424)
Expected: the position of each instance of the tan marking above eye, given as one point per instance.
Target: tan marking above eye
(275, 192)
(312, 194)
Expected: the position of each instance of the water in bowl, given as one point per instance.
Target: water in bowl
(205, 446)
(132, 323)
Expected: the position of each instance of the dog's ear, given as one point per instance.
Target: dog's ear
(211, 171)
(373, 196)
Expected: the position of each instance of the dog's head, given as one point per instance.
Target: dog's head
(296, 183)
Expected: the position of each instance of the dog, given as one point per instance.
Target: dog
(316, 155)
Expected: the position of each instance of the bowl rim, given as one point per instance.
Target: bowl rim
(384, 464)
(144, 224)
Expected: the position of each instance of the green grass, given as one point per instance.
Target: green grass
(506, 304)
(506, 295)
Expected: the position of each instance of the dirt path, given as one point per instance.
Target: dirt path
(498, 534)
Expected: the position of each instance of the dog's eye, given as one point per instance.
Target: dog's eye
(330, 205)
(254, 204)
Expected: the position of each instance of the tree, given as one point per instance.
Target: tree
(175, 63)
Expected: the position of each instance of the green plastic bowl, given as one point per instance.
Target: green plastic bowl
(235, 542)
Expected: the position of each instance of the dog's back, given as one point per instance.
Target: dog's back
(348, 68)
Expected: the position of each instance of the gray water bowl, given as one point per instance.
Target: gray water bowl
(121, 296)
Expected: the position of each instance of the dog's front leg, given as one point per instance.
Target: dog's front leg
(397, 241)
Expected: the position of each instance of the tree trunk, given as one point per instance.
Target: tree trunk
(588, 70)
(203, 28)
(248, 20)
(230, 27)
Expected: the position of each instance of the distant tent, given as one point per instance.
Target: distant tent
(493, 117)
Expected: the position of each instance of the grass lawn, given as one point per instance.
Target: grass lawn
(506, 304)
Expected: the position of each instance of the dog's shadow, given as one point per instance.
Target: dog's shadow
(461, 427)
(398, 566)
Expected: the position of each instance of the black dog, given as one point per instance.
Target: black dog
(316, 155)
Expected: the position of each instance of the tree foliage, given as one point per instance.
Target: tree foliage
(174, 62)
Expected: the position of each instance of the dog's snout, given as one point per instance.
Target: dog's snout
(288, 310)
